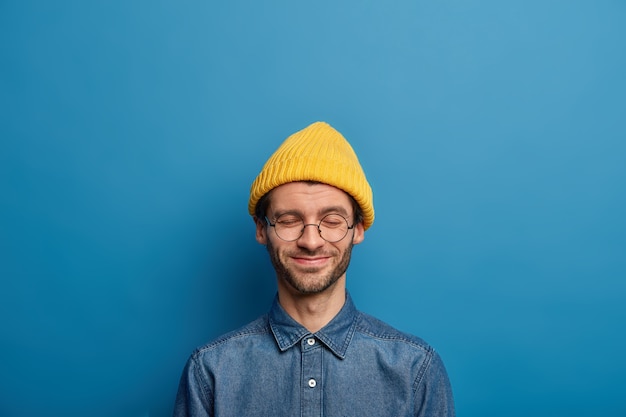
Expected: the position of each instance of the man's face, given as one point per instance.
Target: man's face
(309, 265)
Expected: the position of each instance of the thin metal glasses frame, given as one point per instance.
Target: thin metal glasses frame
(304, 225)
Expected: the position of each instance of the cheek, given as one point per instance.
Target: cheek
(272, 248)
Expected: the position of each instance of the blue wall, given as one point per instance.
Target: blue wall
(493, 133)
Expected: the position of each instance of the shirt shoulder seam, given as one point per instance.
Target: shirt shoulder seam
(259, 326)
(391, 334)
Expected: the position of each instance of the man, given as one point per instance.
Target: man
(313, 354)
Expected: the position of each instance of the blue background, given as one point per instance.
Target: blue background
(493, 134)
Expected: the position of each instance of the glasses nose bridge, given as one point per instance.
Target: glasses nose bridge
(304, 226)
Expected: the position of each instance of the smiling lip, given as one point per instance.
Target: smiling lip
(316, 261)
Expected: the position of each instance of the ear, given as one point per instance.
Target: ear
(261, 230)
(359, 233)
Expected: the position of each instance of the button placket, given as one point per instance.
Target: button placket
(311, 393)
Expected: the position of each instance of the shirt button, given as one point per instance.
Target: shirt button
(312, 383)
(310, 342)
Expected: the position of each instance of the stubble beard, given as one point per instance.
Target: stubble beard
(308, 280)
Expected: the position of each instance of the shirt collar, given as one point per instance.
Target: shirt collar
(336, 335)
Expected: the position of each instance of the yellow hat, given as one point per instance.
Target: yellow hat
(316, 153)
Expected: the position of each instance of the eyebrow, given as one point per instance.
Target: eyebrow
(334, 209)
(324, 211)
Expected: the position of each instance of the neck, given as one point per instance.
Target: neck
(313, 311)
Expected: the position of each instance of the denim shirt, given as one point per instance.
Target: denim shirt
(355, 366)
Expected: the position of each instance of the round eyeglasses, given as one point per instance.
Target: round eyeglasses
(290, 227)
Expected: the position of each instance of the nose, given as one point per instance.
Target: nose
(311, 237)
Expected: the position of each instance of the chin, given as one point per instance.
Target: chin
(310, 286)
